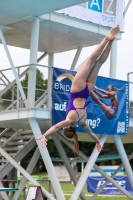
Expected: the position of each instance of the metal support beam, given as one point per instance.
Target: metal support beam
(25, 173)
(47, 160)
(13, 82)
(66, 162)
(41, 57)
(12, 97)
(112, 176)
(87, 170)
(33, 59)
(5, 84)
(5, 77)
(113, 59)
(124, 158)
(126, 9)
(3, 194)
(43, 99)
(3, 132)
(13, 67)
(113, 182)
(50, 73)
(18, 157)
(29, 169)
(97, 168)
(76, 58)
(81, 64)
(18, 92)
(82, 167)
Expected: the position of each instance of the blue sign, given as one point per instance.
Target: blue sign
(94, 183)
(95, 5)
(108, 112)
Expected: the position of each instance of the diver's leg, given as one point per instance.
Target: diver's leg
(93, 75)
(82, 75)
(104, 107)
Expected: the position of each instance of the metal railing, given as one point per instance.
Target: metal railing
(9, 104)
(130, 80)
(130, 85)
(7, 83)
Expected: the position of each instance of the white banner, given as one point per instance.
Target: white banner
(102, 12)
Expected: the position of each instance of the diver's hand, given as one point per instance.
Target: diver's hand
(43, 140)
(99, 146)
(95, 87)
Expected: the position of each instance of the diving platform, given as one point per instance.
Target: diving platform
(35, 25)
(58, 33)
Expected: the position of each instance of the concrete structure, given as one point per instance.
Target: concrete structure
(34, 25)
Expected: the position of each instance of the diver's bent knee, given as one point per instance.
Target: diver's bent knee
(110, 116)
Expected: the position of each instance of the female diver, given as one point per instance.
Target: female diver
(81, 88)
(110, 111)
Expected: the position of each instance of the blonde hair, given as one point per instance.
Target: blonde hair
(70, 132)
(115, 89)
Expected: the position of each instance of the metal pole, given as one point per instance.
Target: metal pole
(12, 97)
(66, 162)
(3, 132)
(18, 91)
(3, 194)
(50, 73)
(126, 9)
(5, 77)
(77, 68)
(41, 57)
(29, 169)
(76, 58)
(13, 82)
(50, 59)
(113, 182)
(97, 168)
(25, 173)
(43, 99)
(124, 158)
(87, 170)
(13, 67)
(33, 59)
(113, 59)
(47, 160)
(82, 166)
(113, 175)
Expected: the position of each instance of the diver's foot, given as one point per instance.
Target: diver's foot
(113, 33)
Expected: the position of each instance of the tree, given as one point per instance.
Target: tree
(41, 84)
(131, 103)
(7, 98)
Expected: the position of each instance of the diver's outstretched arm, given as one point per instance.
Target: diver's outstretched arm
(101, 95)
(101, 90)
(53, 129)
(86, 127)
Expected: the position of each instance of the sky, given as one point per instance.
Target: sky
(64, 60)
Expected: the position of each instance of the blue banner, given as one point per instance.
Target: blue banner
(105, 115)
(94, 183)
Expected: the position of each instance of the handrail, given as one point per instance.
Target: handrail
(3, 132)
(21, 66)
(128, 76)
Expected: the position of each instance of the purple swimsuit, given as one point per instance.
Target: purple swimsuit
(73, 95)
